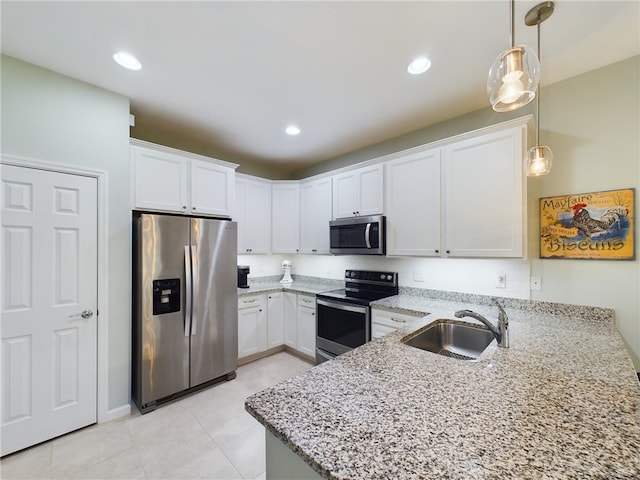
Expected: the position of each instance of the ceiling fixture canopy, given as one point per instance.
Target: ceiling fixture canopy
(514, 75)
(539, 158)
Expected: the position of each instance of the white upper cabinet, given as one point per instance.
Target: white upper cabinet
(169, 180)
(161, 181)
(211, 189)
(484, 196)
(463, 199)
(412, 204)
(253, 214)
(315, 215)
(285, 217)
(358, 192)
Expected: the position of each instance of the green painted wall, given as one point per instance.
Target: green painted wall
(50, 117)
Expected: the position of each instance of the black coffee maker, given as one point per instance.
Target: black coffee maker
(243, 273)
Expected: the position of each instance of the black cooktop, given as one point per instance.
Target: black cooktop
(364, 286)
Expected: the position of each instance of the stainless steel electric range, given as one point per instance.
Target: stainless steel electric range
(343, 317)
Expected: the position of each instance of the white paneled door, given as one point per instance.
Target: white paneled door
(49, 299)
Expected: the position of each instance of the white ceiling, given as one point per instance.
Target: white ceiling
(229, 76)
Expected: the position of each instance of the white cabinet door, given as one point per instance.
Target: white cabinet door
(290, 319)
(161, 181)
(344, 195)
(370, 190)
(285, 217)
(484, 195)
(306, 337)
(253, 214)
(358, 193)
(252, 325)
(412, 204)
(211, 189)
(315, 215)
(275, 319)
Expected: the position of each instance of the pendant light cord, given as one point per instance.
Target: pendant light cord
(538, 94)
(512, 30)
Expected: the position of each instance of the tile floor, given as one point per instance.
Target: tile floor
(208, 435)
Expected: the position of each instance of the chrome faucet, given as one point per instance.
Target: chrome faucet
(501, 332)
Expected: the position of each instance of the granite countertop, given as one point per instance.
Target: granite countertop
(562, 402)
(301, 284)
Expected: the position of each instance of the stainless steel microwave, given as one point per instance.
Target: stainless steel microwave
(358, 236)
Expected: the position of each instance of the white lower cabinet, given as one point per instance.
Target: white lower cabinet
(275, 319)
(252, 325)
(306, 334)
(268, 321)
(384, 322)
(290, 301)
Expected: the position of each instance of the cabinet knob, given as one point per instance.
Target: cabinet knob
(193, 208)
(437, 251)
(184, 207)
(448, 251)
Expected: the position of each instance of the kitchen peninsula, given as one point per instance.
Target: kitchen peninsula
(562, 402)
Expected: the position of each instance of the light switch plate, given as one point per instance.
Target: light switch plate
(501, 280)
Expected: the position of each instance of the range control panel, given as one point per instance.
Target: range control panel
(373, 277)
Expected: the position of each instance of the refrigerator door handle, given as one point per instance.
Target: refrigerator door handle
(187, 290)
(194, 288)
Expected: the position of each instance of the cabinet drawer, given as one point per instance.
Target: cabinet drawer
(306, 301)
(392, 319)
(251, 301)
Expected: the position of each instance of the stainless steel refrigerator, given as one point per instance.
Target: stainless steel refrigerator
(185, 306)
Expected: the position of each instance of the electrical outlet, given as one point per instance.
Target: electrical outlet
(501, 281)
(418, 276)
(535, 283)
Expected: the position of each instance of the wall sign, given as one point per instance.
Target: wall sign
(596, 225)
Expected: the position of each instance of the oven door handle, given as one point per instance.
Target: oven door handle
(342, 306)
(367, 235)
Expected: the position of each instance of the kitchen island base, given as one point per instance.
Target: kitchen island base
(283, 464)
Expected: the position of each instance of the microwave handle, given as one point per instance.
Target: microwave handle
(367, 235)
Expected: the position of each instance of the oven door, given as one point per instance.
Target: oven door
(341, 326)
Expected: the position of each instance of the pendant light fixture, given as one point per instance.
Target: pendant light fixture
(539, 158)
(514, 75)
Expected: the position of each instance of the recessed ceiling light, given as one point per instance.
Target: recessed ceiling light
(419, 65)
(292, 130)
(127, 60)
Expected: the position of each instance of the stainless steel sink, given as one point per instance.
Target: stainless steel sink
(452, 339)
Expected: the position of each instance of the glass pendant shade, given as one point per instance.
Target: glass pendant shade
(513, 78)
(539, 161)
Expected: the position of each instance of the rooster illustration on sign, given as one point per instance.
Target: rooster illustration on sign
(591, 226)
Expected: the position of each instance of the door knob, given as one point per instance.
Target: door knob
(86, 314)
